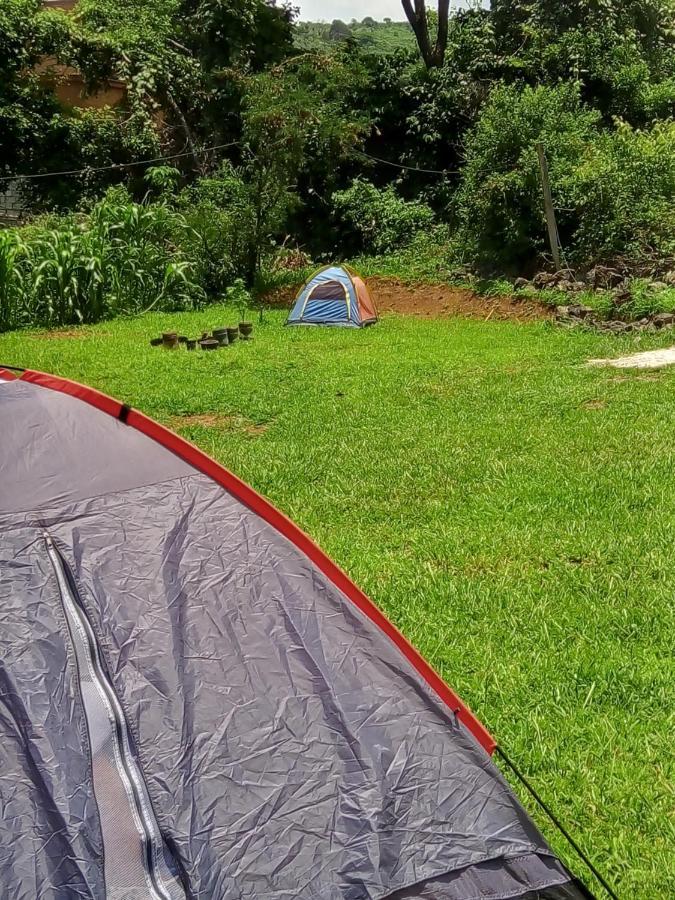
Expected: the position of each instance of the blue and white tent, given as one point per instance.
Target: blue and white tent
(334, 296)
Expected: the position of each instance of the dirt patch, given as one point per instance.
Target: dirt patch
(622, 379)
(434, 301)
(66, 334)
(596, 403)
(217, 420)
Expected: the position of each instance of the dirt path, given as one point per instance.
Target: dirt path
(436, 300)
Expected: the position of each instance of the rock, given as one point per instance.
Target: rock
(544, 279)
(622, 295)
(575, 314)
(664, 319)
(580, 312)
(521, 283)
(657, 286)
(576, 286)
(603, 277)
(669, 278)
(613, 326)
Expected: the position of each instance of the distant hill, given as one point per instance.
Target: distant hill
(379, 37)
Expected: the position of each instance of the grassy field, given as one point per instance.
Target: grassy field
(512, 511)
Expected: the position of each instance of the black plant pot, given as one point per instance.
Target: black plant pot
(232, 334)
(220, 334)
(209, 344)
(245, 329)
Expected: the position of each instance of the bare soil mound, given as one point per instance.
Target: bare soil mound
(436, 300)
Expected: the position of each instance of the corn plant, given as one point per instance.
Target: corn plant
(60, 278)
(13, 297)
(124, 258)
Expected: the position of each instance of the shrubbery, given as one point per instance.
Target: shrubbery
(614, 191)
(218, 213)
(380, 219)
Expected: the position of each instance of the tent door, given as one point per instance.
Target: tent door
(135, 856)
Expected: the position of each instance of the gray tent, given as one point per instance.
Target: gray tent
(196, 703)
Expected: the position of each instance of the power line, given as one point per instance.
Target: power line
(395, 165)
(89, 169)
(146, 162)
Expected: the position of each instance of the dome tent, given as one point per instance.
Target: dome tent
(335, 295)
(198, 703)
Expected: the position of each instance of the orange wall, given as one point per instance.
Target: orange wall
(60, 4)
(67, 83)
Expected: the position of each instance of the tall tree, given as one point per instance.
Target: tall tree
(417, 15)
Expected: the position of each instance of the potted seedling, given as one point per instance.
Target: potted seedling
(240, 298)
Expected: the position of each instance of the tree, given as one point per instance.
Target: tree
(621, 52)
(26, 108)
(180, 56)
(339, 31)
(292, 115)
(419, 22)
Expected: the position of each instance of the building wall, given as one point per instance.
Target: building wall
(70, 89)
(68, 84)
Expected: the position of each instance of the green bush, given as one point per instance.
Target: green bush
(122, 258)
(613, 190)
(499, 201)
(623, 193)
(379, 219)
(218, 213)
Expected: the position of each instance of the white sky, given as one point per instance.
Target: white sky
(327, 10)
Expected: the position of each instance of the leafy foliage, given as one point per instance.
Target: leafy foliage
(26, 35)
(593, 79)
(375, 37)
(382, 220)
(612, 189)
(218, 215)
(120, 259)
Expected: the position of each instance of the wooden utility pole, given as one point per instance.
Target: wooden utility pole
(553, 235)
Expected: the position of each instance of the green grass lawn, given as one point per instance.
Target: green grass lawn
(510, 509)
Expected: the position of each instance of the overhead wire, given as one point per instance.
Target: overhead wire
(395, 165)
(114, 166)
(87, 170)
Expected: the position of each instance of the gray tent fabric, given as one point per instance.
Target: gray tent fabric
(286, 747)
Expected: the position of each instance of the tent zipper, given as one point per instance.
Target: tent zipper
(160, 882)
